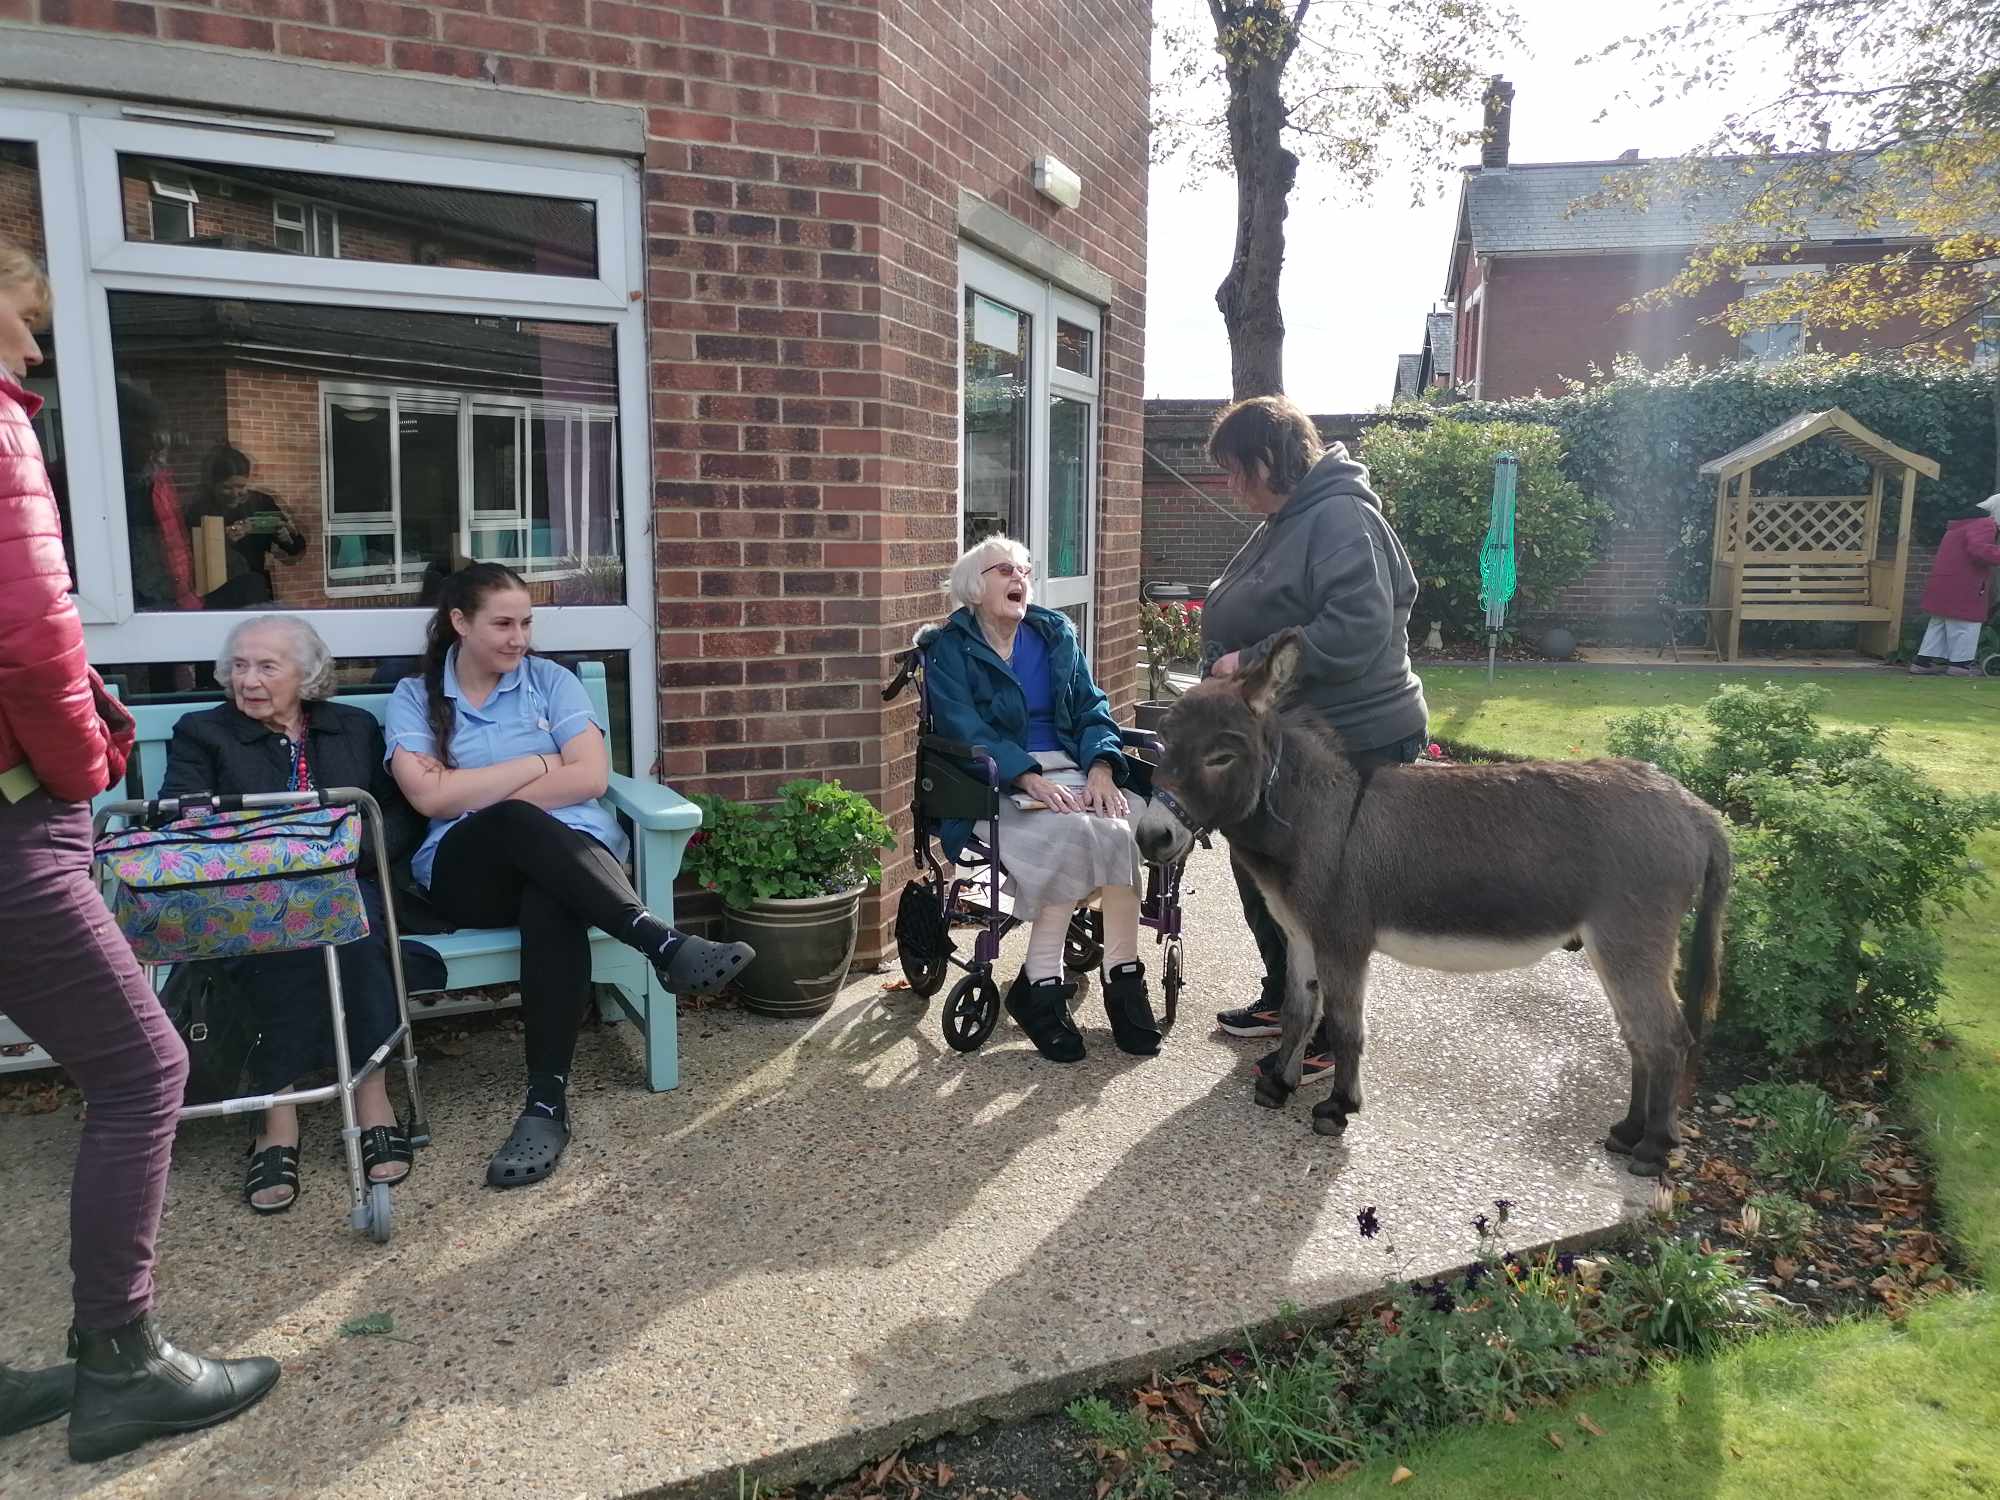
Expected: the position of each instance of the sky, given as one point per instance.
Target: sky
(1359, 276)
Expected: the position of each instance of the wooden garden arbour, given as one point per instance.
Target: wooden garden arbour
(1810, 557)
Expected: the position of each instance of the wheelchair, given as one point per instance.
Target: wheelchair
(956, 780)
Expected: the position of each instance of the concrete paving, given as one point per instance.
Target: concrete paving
(831, 1238)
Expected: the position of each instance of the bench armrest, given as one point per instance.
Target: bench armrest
(652, 807)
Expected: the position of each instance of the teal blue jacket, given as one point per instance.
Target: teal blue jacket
(976, 699)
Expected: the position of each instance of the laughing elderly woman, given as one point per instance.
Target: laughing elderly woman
(1007, 674)
(279, 732)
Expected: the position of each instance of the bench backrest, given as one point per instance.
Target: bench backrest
(1829, 582)
(156, 726)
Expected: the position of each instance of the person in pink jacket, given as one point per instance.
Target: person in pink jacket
(68, 979)
(1959, 595)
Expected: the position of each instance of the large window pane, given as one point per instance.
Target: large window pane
(1069, 488)
(232, 207)
(996, 418)
(21, 222)
(311, 456)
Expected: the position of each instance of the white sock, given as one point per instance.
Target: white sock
(1120, 906)
(1045, 944)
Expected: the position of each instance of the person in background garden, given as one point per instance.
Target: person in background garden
(1959, 596)
(1325, 559)
(280, 731)
(253, 525)
(502, 751)
(1010, 675)
(69, 980)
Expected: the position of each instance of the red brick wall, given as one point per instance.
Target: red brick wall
(20, 203)
(801, 197)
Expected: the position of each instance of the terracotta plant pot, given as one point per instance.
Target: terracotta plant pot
(1151, 714)
(804, 948)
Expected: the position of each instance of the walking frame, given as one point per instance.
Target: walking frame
(371, 1211)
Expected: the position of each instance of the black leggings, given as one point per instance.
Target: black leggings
(514, 864)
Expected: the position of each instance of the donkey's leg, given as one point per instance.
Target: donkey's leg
(1638, 975)
(1344, 991)
(1299, 1016)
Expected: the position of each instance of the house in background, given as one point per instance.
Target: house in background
(726, 325)
(1537, 284)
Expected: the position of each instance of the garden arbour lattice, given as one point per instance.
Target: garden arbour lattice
(1811, 557)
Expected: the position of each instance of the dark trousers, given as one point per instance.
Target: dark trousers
(70, 982)
(513, 864)
(294, 1025)
(1263, 926)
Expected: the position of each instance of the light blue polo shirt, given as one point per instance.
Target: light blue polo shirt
(536, 709)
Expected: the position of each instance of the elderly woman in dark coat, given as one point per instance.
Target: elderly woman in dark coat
(1007, 674)
(279, 732)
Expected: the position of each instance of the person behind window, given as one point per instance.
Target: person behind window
(254, 525)
(280, 731)
(502, 751)
(155, 520)
(68, 979)
(1010, 675)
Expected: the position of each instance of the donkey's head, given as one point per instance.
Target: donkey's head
(1221, 740)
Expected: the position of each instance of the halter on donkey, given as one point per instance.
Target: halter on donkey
(1469, 869)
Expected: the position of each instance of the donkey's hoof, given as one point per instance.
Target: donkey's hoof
(1620, 1145)
(1331, 1123)
(1271, 1093)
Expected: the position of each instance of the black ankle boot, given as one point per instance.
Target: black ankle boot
(29, 1398)
(1131, 1010)
(1042, 1008)
(132, 1385)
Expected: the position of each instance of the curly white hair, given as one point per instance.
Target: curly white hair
(315, 662)
(967, 582)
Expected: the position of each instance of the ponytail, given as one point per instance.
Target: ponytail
(464, 591)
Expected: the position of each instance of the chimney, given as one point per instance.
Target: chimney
(1630, 153)
(1499, 122)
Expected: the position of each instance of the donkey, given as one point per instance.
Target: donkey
(1469, 869)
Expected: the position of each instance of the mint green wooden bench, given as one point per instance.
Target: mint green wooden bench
(661, 822)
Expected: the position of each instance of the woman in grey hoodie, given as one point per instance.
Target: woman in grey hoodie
(1326, 560)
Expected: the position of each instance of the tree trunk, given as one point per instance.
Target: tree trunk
(1265, 174)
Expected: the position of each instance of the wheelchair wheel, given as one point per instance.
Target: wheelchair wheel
(1172, 978)
(1083, 944)
(374, 1215)
(971, 1013)
(923, 942)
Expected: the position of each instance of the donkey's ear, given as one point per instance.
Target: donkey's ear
(1268, 684)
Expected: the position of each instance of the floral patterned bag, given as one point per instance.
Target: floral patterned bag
(232, 884)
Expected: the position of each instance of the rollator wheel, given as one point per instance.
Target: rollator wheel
(971, 1012)
(923, 942)
(1172, 978)
(1083, 944)
(378, 1212)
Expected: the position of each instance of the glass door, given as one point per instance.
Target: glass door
(1030, 403)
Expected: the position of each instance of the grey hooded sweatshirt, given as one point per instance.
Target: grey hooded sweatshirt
(1327, 561)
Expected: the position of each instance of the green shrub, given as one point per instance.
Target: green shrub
(1286, 1411)
(817, 839)
(1780, 1220)
(1845, 861)
(1809, 1144)
(1436, 483)
(1677, 1295)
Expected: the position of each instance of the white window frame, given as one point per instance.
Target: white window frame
(78, 143)
(1045, 304)
(316, 225)
(1756, 345)
(1986, 335)
(181, 192)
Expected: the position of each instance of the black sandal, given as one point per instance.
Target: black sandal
(700, 967)
(273, 1167)
(386, 1146)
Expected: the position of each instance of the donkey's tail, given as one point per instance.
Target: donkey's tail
(1704, 976)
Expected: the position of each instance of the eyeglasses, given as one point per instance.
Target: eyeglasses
(1022, 571)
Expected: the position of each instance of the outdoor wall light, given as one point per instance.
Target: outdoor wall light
(1057, 183)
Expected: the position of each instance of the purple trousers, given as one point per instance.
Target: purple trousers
(68, 980)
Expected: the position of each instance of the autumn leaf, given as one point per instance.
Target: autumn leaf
(1152, 1400)
(1400, 1475)
(1784, 1268)
(944, 1473)
(1583, 1421)
(1509, 1415)
(1555, 1439)
(882, 1471)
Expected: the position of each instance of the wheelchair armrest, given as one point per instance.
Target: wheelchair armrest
(1141, 739)
(957, 748)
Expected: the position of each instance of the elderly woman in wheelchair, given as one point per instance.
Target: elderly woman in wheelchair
(1006, 677)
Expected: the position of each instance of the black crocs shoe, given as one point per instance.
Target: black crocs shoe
(699, 967)
(1042, 1008)
(531, 1151)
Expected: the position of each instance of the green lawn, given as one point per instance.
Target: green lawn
(1868, 1409)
